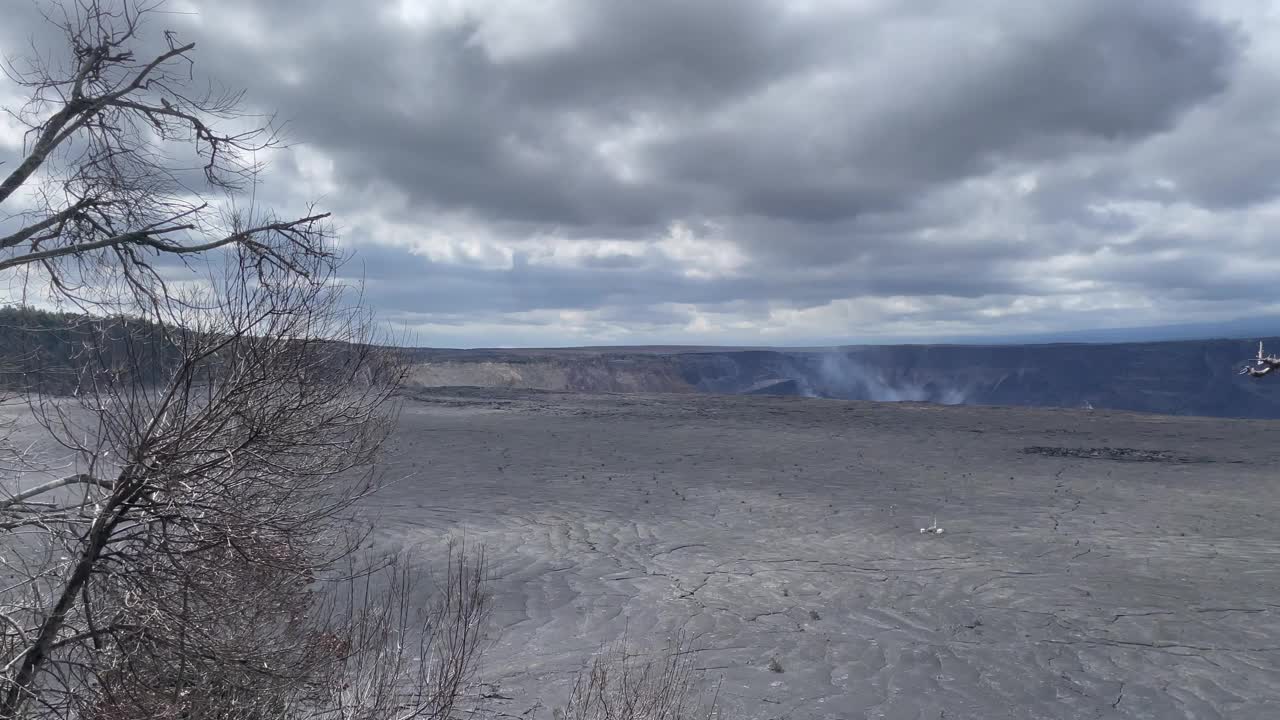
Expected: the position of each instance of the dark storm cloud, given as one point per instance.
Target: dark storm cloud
(432, 113)
(1040, 84)
(437, 115)
(961, 156)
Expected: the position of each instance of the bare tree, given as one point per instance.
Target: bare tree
(620, 684)
(188, 562)
(411, 661)
(1262, 365)
(181, 570)
(100, 193)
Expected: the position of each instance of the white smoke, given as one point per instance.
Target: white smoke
(840, 375)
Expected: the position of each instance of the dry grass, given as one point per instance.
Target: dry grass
(622, 685)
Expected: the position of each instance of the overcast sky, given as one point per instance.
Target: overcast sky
(566, 172)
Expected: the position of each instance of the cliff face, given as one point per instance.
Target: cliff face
(1191, 377)
(1177, 378)
(577, 373)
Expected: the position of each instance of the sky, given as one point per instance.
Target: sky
(765, 172)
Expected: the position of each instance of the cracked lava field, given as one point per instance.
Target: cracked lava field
(1093, 564)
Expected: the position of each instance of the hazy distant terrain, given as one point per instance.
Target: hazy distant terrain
(1195, 377)
(1189, 377)
(1093, 564)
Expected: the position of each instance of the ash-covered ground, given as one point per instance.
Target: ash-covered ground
(1092, 564)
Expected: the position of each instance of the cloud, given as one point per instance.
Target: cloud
(757, 171)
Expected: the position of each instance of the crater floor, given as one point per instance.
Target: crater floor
(1092, 564)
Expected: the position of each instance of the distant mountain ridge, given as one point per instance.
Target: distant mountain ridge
(1186, 377)
(1189, 377)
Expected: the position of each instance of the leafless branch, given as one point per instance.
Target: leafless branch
(227, 445)
(620, 684)
(186, 563)
(101, 191)
(77, 479)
